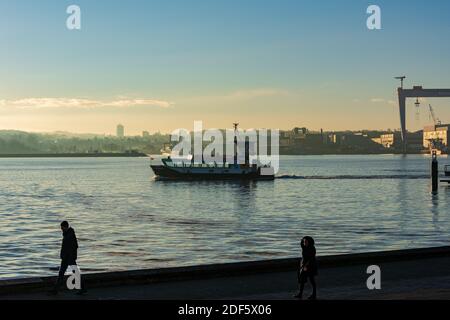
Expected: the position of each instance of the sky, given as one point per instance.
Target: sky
(161, 65)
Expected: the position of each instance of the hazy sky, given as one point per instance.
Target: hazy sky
(160, 65)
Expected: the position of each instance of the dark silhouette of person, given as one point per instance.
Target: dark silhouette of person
(308, 267)
(68, 255)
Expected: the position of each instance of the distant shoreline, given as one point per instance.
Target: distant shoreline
(139, 154)
(349, 153)
(75, 155)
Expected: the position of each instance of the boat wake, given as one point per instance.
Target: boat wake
(355, 177)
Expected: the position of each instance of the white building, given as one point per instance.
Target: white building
(438, 134)
(120, 131)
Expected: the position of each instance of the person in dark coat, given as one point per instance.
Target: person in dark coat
(308, 267)
(68, 255)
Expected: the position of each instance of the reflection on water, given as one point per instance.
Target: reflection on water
(125, 219)
(435, 209)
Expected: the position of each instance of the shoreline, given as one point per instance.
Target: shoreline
(75, 155)
(139, 155)
(145, 277)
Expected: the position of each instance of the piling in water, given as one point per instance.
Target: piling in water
(434, 173)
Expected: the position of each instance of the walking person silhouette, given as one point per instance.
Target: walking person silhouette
(308, 268)
(68, 255)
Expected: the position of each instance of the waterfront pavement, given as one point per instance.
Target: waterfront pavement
(411, 279)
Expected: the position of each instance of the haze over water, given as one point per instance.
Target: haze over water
(125, 219)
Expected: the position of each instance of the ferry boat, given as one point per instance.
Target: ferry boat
(186, 169)
(170, 170)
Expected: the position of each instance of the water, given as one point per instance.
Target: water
(125, 219)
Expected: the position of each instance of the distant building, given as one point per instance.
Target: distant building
(389, 140)
(335, 138)
(394, 141)
(355, 139)
(415, 141)
(377, 140)
(293, 137)
(120, 131)
(438, 135)
(145, 134)
(300, 131)
(313, 139)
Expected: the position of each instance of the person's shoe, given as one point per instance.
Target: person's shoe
(82, 292)
(52, 292)
(297, 296)
(313, 297)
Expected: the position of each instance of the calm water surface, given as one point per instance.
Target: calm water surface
(125, 219)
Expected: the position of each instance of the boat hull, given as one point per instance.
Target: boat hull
(165, 172)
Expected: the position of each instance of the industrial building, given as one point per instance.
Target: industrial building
(393, 141)
(436, 136)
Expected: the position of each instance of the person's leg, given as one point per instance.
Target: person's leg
(302, 287)
(82, 283)
(299, 294)
(301, 281)
(62, 271)
(312, 280)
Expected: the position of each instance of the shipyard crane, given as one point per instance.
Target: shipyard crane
(402, 78)
(436, 121)
(415, 92)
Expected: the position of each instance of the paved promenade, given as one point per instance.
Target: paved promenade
(424, 278)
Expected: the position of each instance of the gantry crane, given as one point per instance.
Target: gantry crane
(416, 92)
